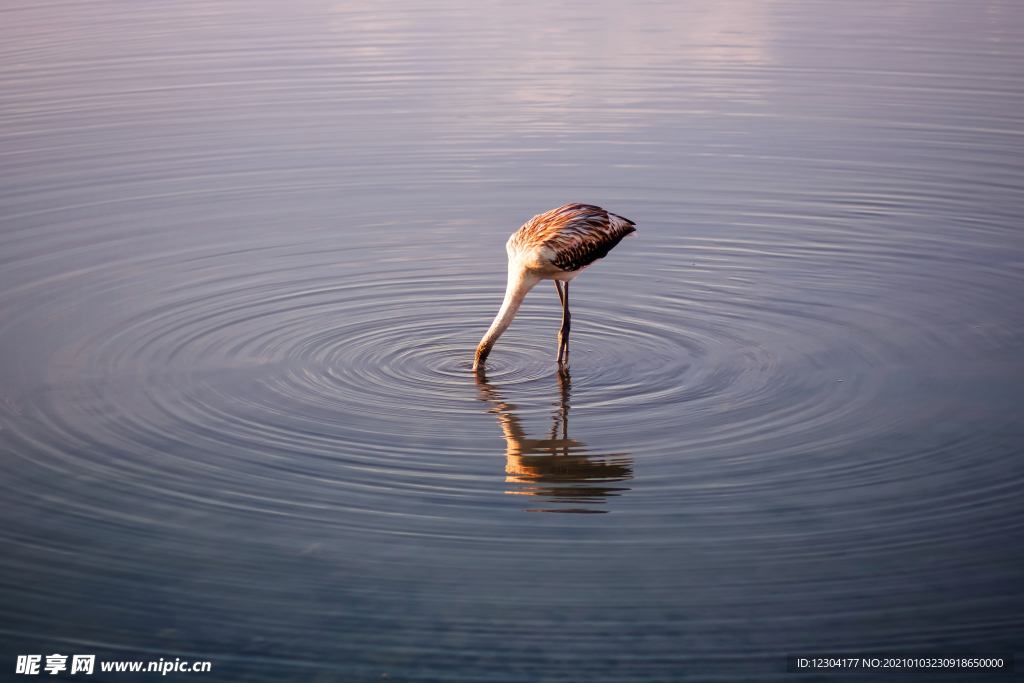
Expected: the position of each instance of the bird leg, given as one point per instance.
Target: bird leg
(563, 333)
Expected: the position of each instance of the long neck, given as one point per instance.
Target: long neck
(519, 283)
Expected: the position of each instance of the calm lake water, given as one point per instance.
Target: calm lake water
(247, 250)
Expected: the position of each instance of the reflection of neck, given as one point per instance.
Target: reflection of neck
(519, 283)
(517, 441)
(554, 469)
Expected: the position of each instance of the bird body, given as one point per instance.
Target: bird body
(556, 245)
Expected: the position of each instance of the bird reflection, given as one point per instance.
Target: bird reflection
(557, 468)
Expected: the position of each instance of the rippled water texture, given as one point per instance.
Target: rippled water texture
(247, 250)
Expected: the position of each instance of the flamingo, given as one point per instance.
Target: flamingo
(555, 245)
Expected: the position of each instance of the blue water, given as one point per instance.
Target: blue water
(247, 250)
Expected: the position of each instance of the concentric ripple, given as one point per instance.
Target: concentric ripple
(359, 364)
(288, 362)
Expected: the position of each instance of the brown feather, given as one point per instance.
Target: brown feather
(577, 234)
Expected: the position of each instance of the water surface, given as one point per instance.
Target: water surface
(247, 250)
